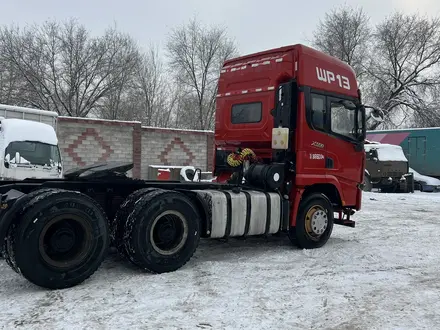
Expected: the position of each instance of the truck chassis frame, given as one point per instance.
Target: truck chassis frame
(57, 232)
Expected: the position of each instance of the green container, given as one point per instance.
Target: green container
(420, 145)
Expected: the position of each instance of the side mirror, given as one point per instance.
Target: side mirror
(376, 114)
(348, 105)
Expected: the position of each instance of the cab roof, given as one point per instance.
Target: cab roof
(264, 70)
(299, 48)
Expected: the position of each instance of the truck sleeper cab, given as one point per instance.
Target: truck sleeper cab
(289, 137)
(300, 108)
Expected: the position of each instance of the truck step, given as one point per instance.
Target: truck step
(345, 222)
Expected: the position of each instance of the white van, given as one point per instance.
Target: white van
(29, 145)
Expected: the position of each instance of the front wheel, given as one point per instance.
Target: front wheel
(314, 223)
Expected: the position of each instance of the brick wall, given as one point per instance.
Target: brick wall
(86, 141)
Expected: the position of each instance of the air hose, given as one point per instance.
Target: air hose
(237, 158)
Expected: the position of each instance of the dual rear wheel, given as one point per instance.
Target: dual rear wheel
(59, 238)
(158, 231)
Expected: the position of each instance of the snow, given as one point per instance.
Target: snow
(387, 152)
(101, 120)
(25, 130)
(196, 175)
(163, 167)
(381, 275)
(178, 129)
(13, 160)
(423, 178)
(138, 122)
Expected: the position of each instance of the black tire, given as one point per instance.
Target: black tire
(118, 223)
(389, 189)
(300, 235)
(35, 240)
(20, 206)
(143, 249)
(368, 186)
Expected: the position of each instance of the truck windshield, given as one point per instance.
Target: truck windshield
(34, 153)
(343, 118)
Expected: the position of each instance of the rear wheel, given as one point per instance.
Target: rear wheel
(61, 239)
(14, 214)
(117, 226)
(162, 232)
(314, 223)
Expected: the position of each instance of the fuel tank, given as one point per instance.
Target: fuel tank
(244, 213)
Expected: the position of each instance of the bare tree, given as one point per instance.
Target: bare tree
(10, 83)
(151, 88)
(65, 69)
(405, 68)
(196, 55)
(120, 79)
(145, 96)
(345, 34)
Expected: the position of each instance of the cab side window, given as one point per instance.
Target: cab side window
(318, 111)
(246, 113)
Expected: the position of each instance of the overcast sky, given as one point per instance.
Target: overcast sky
(256, 25)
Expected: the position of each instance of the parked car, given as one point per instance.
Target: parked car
(424, 182)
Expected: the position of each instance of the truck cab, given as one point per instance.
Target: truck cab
(301, 108)
(28, 149)
(29, 144)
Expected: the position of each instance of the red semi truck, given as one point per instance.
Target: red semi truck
(289, 134)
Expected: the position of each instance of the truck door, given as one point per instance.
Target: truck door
(345, 155)
(314, 147)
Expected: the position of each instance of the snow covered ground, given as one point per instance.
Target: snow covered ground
(384, 274)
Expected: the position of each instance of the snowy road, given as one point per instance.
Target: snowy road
(385, 274)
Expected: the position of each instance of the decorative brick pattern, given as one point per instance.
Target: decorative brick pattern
(72, 148)
(86, 141)
(177, 141)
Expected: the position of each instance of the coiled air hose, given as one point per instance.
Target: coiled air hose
(237, 158)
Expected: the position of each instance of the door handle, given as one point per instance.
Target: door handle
(329, 163)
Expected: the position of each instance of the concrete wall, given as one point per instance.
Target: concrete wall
(86, 141)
